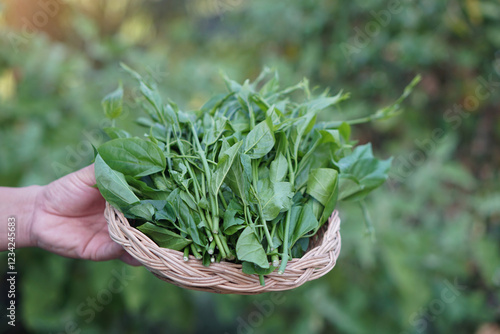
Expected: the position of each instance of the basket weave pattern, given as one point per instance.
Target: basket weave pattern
(225, 277)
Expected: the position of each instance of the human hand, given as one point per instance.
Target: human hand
(68, 220)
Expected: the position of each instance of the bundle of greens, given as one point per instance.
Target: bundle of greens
(249, 178)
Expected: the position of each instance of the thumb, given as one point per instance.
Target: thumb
(86, 175)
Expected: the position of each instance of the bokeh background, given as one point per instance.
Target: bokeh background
(435, 265)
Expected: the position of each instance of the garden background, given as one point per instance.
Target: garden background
(435, 264)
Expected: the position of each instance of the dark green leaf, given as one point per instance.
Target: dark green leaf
(166, 213)
(112, 185)
(248, 248)
(323, 186)
(163, 237)
(260, 140)
(225, 162)
(306, 223)
(141, 188)
(253, 269)
(142, 210)
(239, 181)
(232, 224)
(133, 156)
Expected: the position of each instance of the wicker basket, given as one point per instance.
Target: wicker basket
(225, 277)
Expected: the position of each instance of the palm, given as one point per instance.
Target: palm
(70, 220)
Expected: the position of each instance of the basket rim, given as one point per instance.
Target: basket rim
(224, 276)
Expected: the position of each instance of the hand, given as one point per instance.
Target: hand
(68, 220)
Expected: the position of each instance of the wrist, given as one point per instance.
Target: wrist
(17, 209)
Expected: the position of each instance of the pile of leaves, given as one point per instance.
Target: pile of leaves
(250, 177)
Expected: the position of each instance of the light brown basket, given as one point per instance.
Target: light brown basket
(225, 277)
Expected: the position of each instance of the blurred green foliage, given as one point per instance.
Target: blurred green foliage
(435, 267)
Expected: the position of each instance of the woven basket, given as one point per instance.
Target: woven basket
(225, 277)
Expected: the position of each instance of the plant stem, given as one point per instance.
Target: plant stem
(195, 252)
(261, 280)
(223, 200)
(291, 174)
(211, 248)
(220, 244)
(275, 259)
(261, 214)
(284, 255)
(226, 247)
(266, 230)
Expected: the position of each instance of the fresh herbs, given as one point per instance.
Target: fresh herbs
(249, 177)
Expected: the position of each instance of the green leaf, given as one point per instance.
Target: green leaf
(330, 136)
(302, 125)
(274, 197)
(167, 213)
(248, 248)
(260, 140)
(163, 237)
(322, 185)
(322, 102)
(113, 103)
(225, 162)
(299, 249)
(152, 96)
(113, 186)
(253, 269)
(232, 224)
(142, 210)
(238, 180)
(115, 133)
(213, 128)
(360, 173)
(345, 131)
(141, 188)
(186, 221)
(133, 156)
(279, 169)
(306, 223)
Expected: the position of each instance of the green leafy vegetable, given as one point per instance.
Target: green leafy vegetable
(249, 177)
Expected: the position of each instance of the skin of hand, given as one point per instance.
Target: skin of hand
(67, 219)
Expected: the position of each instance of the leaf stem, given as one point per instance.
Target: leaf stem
(196, 254)
(220, 244)
(223, 200)
(284, 255)
(261, 213)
